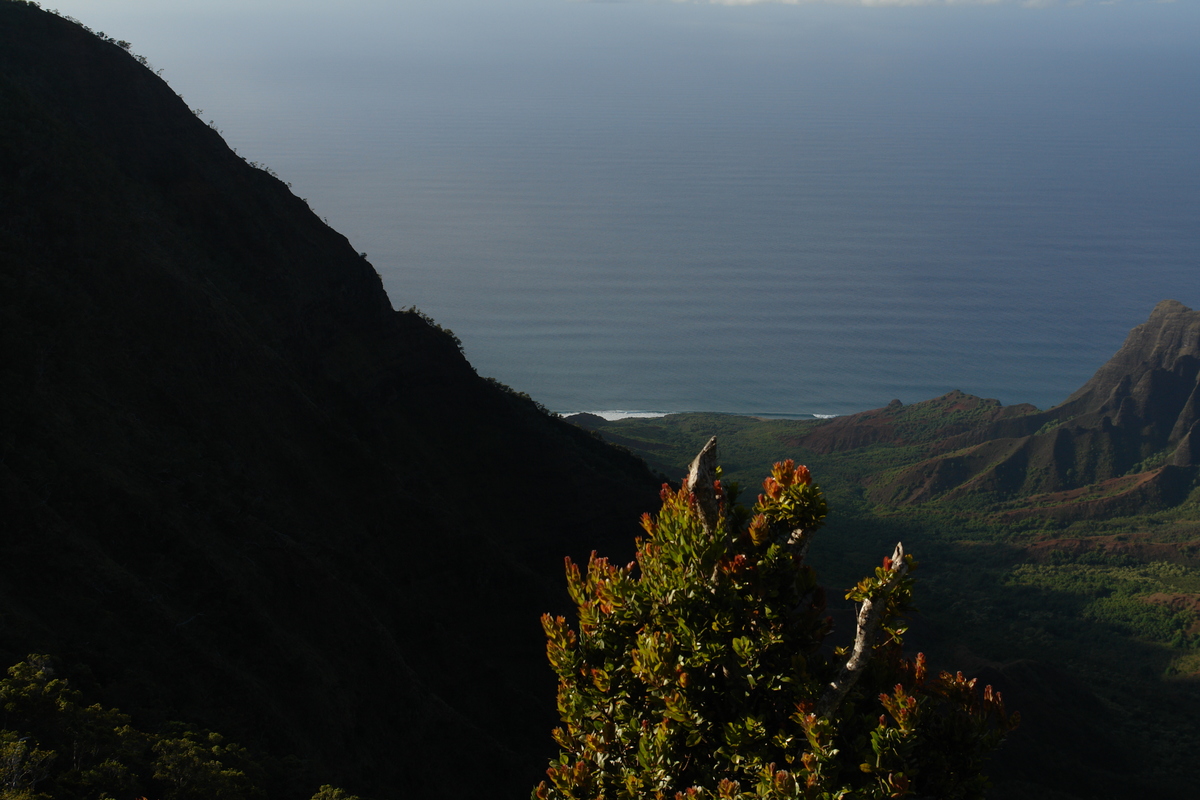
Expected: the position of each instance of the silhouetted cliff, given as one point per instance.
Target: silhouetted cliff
(239, 486)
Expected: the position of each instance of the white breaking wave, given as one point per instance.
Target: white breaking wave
(618, 414)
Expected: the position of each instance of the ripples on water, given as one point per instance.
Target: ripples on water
(786, 210)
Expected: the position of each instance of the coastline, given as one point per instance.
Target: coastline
(612, 415)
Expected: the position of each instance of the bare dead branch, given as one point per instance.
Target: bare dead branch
(870, 615)
(702, 474)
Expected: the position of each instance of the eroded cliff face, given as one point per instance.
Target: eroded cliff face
(1130, 433)
(1151, 388)
(239, 486)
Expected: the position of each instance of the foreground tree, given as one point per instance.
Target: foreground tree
(699, 670)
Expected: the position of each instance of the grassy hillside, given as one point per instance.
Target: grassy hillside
(1082, 604)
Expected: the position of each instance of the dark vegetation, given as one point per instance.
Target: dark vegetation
(55, 746)
(240, 491)
(1061, 548)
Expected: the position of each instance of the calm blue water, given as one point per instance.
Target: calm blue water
(765, 208)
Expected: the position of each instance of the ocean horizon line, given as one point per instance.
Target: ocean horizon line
(613, 415)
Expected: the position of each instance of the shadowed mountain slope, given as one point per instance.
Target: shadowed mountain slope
(1127, 442)
(237, 485)
(1136, 420)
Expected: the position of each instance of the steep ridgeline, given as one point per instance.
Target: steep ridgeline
(1126, 439)
(1126, 442)
(238, 488)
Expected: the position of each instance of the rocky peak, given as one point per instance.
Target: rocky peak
(1152, 377)
(1140, 413)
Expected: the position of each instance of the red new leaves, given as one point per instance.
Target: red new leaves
(784, 475)
(790, 507)
(698, 672)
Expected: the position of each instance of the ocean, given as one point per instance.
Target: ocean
(750, 208)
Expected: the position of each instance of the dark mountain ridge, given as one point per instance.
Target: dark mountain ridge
(1132, 428)
(238, 486)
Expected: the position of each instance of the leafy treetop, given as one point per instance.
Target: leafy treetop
(701, 671)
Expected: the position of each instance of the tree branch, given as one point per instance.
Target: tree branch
(870, 615)
(798, 542)
(702, 474)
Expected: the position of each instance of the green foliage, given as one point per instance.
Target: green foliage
(1122, 596)
(699, 670)
(196, 766)
(22, 766)
(328, 792)
(87, 748)
(1052, 621)
(51, 745)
